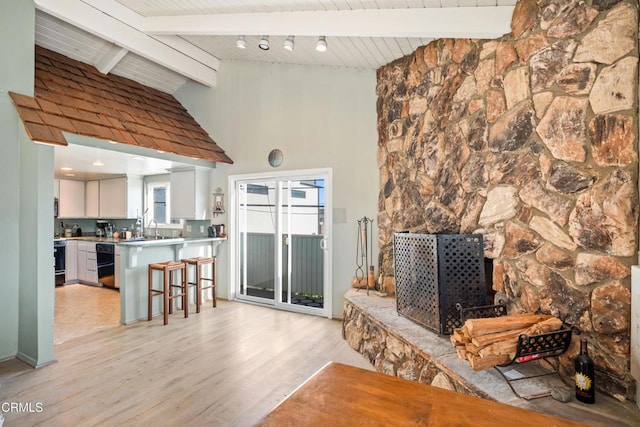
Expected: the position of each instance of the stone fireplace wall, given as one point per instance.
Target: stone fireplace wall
(529, 140)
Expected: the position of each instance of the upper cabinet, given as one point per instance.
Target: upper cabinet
(92, 199)
(71, 199)
(121, 197)
(190, 193)
(106, 198)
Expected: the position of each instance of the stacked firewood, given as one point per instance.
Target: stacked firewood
(492, 341)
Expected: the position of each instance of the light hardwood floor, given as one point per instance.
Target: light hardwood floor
(227, 366)
(82, 309)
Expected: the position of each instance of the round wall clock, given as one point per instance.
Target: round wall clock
(275, 158)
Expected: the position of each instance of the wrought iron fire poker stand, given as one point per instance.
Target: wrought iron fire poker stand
(364, 247)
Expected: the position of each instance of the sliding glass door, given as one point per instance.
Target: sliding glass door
(281, 256)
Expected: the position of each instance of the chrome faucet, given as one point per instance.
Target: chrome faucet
(155, 234)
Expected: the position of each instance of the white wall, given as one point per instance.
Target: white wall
(319, 117)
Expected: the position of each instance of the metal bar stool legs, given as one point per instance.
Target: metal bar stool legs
(168, 269)
(199, 263)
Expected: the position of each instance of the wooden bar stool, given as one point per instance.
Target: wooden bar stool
(168, 268)
(198, 263)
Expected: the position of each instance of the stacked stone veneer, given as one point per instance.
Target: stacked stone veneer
(529, 140)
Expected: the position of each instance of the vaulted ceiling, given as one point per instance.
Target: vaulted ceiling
(164, 43)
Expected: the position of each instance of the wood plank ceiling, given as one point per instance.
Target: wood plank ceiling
(164, 43)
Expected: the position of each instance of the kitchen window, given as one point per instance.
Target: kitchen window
(158, 202)
(160, 206)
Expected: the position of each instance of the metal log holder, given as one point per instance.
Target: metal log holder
(495, 310)
(539, 380)
(530, 347)
(533, 347)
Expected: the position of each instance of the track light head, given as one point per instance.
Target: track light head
(264, 43)
(289, 43)
(321, 46)
(241, 43)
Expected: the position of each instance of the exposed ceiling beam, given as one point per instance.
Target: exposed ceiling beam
(131, 18)
(97, 22)
(111, 59)
(454, 22)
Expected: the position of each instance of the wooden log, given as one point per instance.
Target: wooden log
(480, 363)
(461, 335)
(485, 340)
(500, 348)
(461, 352)
(490, 325)
(453, 341)
(471, 349)
(546, 326)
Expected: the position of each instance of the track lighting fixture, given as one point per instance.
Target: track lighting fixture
(321, 46)
(264, 43)
(289, 43)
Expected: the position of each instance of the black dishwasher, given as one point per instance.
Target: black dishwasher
(59, 249)
(105, 258)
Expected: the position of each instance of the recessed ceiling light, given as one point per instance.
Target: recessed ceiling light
(69, 174)
(66, 168)
(112, 142)
(241, 43)
(97, 163)
(160, 151)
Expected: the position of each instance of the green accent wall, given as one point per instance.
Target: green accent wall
(26, 253)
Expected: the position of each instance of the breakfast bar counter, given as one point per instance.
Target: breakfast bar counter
(131, 268)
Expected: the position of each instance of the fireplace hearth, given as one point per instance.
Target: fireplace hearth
(398, 346)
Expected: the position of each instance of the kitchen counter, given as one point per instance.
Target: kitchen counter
(132, 258)
(142, 241)
(131, 267)
(168, 241)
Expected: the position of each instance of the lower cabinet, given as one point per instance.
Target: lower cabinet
(71, 262)
(87, 262)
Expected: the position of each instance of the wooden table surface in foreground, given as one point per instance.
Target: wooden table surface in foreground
(341, 395)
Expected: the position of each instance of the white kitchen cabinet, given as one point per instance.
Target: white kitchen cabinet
(87, 262)
(71, 262)
(71, 199)
(116, 266)
(190, 194)
(92, 199)
(121, 197)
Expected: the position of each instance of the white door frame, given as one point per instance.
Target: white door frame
(234, 235)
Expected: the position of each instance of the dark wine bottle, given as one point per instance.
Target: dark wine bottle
(584, 377)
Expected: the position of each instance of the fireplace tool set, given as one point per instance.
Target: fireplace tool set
(364, 254)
